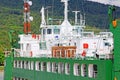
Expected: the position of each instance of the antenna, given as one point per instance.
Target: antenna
(66, 9)
(27, 17)
(76, 13)
(82, 19)
(43, 22)
(47, 8)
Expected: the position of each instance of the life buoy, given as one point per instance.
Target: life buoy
(85, 45)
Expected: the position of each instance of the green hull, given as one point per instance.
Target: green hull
(104, 70)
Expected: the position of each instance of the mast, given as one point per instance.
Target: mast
(82, 20)
(27, 17)
(76, 13)
(43, 22)
(66, 9)
(66, 26)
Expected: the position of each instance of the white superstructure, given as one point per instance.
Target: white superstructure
(86, 44)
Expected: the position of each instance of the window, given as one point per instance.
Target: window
(44, 31)
(75, 31)
(92, 70)
(95, 71)
(49, 31)
(14, 78)
(54, 67)
(43, 66)
(15, 64)
(19, 64)
(23, 64)
(60, 67)
(67, 68)
(56, 31)
(28, 47)
(27, 65)
(32, 65)
(22, 79)
(74, 43)
(76, 69)
(38, 66)
(18, 78)
(107, 44)
(49, 67)
(43, 45)
(83, 70)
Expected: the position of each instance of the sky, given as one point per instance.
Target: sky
(111, 2)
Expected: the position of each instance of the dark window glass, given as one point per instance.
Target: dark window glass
(56, 31)
(49, 31)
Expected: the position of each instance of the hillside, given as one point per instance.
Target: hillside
(96, 14)
(12, 16)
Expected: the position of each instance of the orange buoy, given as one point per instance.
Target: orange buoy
(114, 23)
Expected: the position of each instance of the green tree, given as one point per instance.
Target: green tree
(1, 58)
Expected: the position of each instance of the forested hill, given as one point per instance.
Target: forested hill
(96, 14)
(11, 15)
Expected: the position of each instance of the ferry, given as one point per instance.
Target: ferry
(64, 51)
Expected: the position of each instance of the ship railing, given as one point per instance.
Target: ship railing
(106, 34)
(71, 53)
(96, 31)
(16, 52)
(45, 55)
(19, 53)
(7, 53)
(80, 35)
(87, 34)
(92, 54)
(104, 57)
(89, 55)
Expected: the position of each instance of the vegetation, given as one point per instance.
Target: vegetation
(13, 20)
(93, 29)
(1, 68)
(1, 58)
